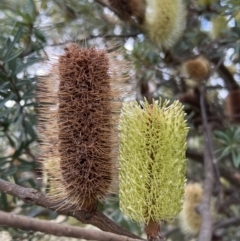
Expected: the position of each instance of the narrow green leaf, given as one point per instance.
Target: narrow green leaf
(221, 135)
(26, 167)
(225, 152)
(32, 9)
(5, 112)
(29, 129)
(8, 41)
(13, 56)
(16, 114)
(236, 158)
(10, 171)
(23, 82)
(24, 66)
(2, 102)
(11, 141)
(4, 202)
(4, 85)
(40, 35)
(11, 46)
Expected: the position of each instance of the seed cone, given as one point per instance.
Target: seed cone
(129, 8)
(79, 145)
(232, 108)
(152, 162)
(165, 21)
(190, 220)
(198, 69)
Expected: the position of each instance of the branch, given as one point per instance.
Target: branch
(228, 78)
(33, 196)
(205, 233)
(83, 40)
(48, 227)
(231, 175)
(105, 3)
(227, 223)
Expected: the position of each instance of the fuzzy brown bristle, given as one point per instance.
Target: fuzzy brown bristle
(79, 128)
(127, 9)
(232, 108)
(197, 69)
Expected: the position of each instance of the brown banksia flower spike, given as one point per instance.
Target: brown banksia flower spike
(129, 9)
(78, 126)
(232, 108)
(197, 69)
(190, 220)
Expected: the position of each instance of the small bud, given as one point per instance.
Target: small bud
(197, 69)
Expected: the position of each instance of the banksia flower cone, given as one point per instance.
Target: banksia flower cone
(164, 21)
(219, 25)
(206, 2)
(190, 220)
(78, 127)
(198, 69)
(152, 162)
(129, 9)
(232, 108)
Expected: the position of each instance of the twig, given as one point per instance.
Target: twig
(170, 232)
(48, 227)
(225, 74)
(227, 223)
(83, 40)
(105, 4)
(33, 196)
(231, 175)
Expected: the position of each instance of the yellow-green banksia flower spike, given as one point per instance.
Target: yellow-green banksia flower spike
(152, 162)
(191, 221)
(165, 21)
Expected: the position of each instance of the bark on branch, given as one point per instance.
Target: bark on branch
(48, 227)
(231, 175)
(205, 233)
(227, 223)
(33, 196)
